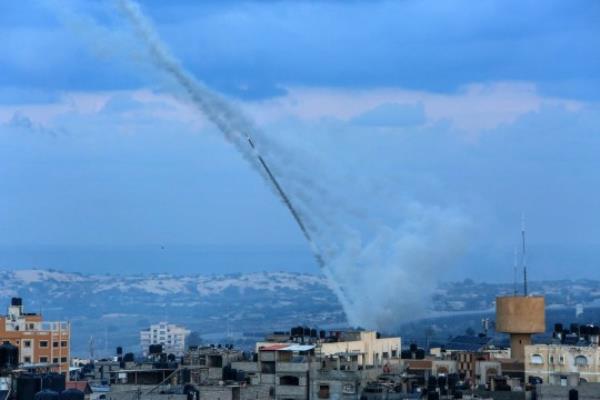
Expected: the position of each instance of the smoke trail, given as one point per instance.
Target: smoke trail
(228, 120)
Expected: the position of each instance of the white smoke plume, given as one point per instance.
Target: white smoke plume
(382, 270)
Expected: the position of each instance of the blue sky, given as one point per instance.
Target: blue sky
(488, 109)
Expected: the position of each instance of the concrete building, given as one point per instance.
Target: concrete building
(560, 364)
(171, 337)
(299, 372)
(40, 343)
(368, 346)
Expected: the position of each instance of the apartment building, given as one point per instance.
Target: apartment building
(560, 364)
(38, 341)
(572, 357)
(171, 337)
(368, 347)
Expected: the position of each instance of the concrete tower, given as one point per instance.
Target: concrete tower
(520, 317)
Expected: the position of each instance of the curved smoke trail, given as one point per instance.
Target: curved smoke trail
(231, 122)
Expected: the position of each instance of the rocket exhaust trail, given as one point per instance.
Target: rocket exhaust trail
(229, 121)
(287, 202)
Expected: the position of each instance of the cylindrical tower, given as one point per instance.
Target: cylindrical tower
(520, 317)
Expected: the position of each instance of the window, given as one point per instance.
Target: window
(55, 360)
(581, 361)
(289, 380)
(537, 359)
(43, 359)
(27, 360)
(348, 388)
(63, 343)
(26, 343)
(394, 353)
(31, 326)
(323, 391)
(43, 343)
(54, 344)
(561, 360)
(385, 354)
(63, 359)
(551, 359)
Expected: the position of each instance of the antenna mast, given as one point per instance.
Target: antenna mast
(515, 267)
(524, 254)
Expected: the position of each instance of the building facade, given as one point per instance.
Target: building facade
(559, 364)
(39, 342)
(171, 337)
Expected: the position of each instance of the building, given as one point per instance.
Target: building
(171, 337)
(569, 359)
(299, 372)
(368, 347)
(40, 343)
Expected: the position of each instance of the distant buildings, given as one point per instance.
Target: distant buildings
(171, 337)
(40, 344)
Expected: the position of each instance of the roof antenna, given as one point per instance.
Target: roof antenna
(515, 267)
(523, 255)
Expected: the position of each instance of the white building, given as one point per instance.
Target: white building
(172, 338)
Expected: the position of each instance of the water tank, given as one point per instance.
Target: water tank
(442, 381)
(452, 380)
(420, 354)
(520, 314)
(241, 376)
(433, 395)
(9, 356)
(307, 332)
(322, 334)
(595, 330)
(155, 349)
(413, 347)
(558, 328)
(406, 354)
(432, 382)
(53, 381)
(119, 350)
(72, 394)
(128, 357)
(313, 333)
(575, 329)
(16, 301)
(46, 394)
(28, 386)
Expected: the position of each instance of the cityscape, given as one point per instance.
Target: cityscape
(299, 200)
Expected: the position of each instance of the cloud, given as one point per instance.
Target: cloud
(392, 114)
(475, 107)
(253, 50)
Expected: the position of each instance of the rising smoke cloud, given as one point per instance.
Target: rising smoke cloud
(382, 272)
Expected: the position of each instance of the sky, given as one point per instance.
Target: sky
(485, 111)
